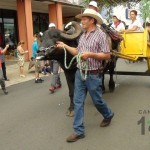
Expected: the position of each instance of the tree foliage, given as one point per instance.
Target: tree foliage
(108, 3)
(145, 9)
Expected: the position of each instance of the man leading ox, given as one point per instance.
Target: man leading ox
(94, 48)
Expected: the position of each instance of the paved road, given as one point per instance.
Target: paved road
(33, 119)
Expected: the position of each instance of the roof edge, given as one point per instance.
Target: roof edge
(61, 1)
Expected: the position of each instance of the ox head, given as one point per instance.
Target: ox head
(47, 47)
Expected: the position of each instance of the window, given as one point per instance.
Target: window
(40, 22)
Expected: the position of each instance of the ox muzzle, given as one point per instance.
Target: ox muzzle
(43, 51)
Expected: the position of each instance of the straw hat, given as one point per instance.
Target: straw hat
(90, 13)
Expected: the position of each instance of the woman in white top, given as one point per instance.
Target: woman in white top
(117, 24)
(135, 24)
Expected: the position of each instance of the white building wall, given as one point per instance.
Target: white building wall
(77, 2)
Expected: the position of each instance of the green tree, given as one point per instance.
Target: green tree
(110, 2)
(145, 9)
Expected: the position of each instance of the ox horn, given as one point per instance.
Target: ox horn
(74, 35)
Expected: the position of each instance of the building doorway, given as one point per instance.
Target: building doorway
(8, 31)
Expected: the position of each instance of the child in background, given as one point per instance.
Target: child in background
(46, 68)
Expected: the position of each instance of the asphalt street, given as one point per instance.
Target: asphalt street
(33, 119)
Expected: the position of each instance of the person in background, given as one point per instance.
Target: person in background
(93, 47)
(35, 47)
(147, 26)
(21, 57)
(117, 24)
(2, 57)
(135, 24)
(55, 79)
(93, 5)
(2, 82)
(46, 68)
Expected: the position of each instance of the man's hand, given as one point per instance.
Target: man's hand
(85, 55)
(60, 44)
(71, 50)
(7, 46)
(5, 49)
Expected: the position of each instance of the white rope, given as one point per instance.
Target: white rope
(83, 65)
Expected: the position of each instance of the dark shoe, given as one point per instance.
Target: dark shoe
(38, 81)
(5, 91)
(74, 137)
(107, 121)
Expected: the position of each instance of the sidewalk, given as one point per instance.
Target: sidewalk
(12, 69)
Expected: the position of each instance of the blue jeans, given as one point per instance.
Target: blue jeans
(93, 85)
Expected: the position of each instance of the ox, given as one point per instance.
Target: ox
(51, 52)
(49, 39)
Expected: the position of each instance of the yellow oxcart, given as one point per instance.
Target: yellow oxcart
(135, 46)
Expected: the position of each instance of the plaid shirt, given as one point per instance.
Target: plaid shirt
(94, 42)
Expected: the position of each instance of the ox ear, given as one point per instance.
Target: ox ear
(77, 31)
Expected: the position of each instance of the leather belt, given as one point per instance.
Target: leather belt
(91, 71)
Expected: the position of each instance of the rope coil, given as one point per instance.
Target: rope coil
(83, 65)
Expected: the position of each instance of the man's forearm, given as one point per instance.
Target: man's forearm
(100, 56)
(4, 50)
